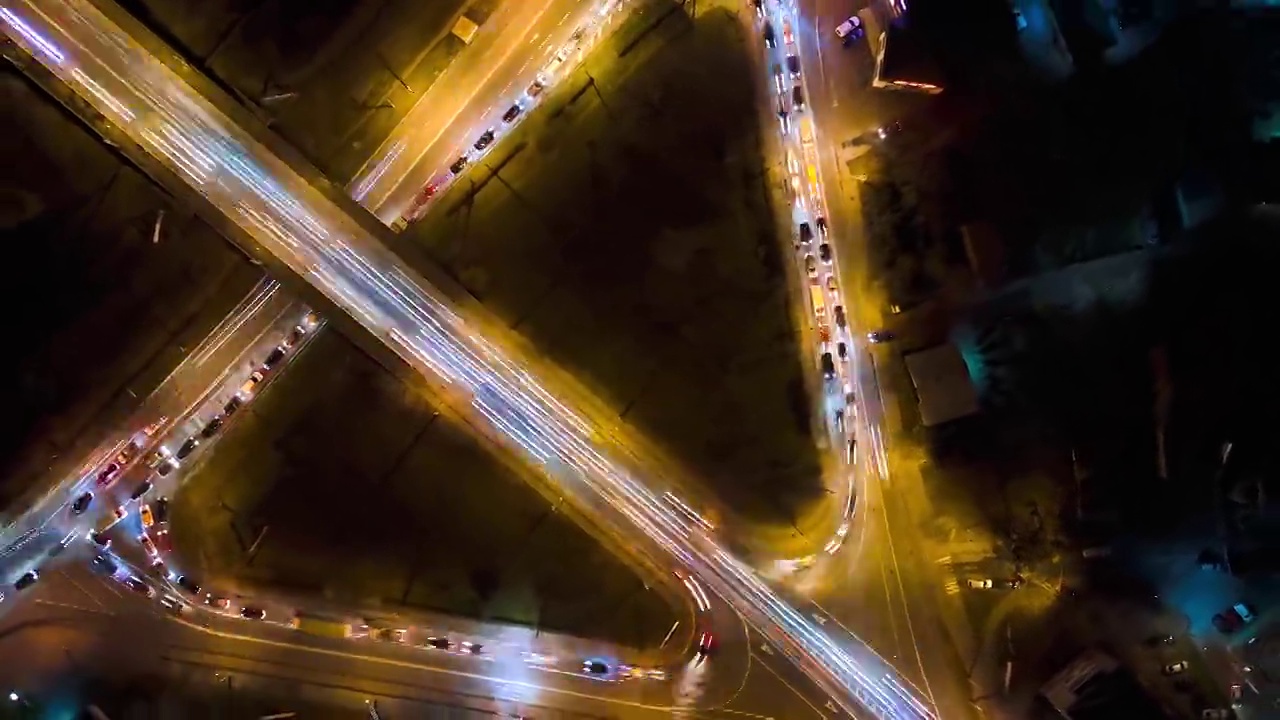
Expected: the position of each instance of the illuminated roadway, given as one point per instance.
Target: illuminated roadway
(508, 52)
(318, 240)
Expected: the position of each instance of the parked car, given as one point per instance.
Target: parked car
(28, 579)
(161, 508)
(806, 233)
(770, 38)
(142, 489)
(485, 139)
(232, 406)
(253, 613)
(1233, 618)
(439, 643)
(1176, 668)
(186, 583)
(459, 165)
(512, 113)
(828, 366)
(980, 584)
(793, 65)
(595, 667)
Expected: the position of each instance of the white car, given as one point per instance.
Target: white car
(1175, 668)
(984, 584)
(845, 28)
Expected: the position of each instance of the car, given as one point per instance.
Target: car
(108, 474)
(1245, 611)
(806, 233)
(295, 335)
(828, 366)
(471, 648)
(1235, 693)
(842, 350)
(28, 579)
(1215, 714)
(162, 540)
(777, 79)
(811, 266)
(128, 452)
(797, 97)
(793, 65)
(850, 28)
(159, 568)
(161, 508)
(485, 140)
(439, 643)
(248, 387)
(395, 635)
(148, 519)
(172, 604)
(273, 358)
(222, 603)
(980, 584)
(1175, 668)
(512, 113)
(706, 643)
(831, 285)
(188, 447)
(784, 118)
(824, 252)
(186, 583)
(876, 337)
(139, 587)
(770, 39)
(841, 320)
(536, 88)
(253, 613)
(105, 564)
(100, 539)
(166, 466)
(1233, 618)
(232, 406)
(787, 36)
(212, 427)
(142, 489)
(147, 544)
(459, 165)
(595, 667)
(121, 512)
(759, 5)
(81, 503)
(423, 196)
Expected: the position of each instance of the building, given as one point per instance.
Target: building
(944, 390)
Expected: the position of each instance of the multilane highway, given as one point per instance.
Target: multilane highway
(272, 204)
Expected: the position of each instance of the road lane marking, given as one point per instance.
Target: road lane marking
(419, 666)
(70, 606)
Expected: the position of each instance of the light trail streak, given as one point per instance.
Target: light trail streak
(316, 239)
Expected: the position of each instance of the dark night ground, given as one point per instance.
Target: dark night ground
(630, 240)
(371, 498)
(95, 307)
(342, 57)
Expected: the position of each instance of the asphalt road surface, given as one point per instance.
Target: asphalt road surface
(314, 237)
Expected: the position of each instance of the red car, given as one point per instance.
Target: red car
(108, 474)
(147, 545)
(162, 540)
